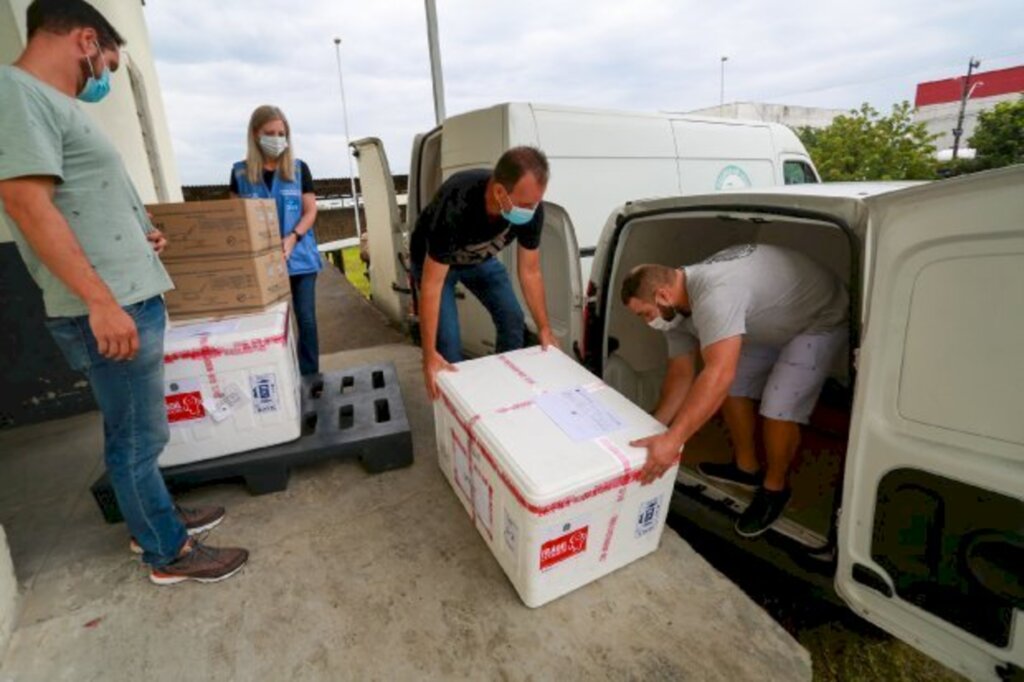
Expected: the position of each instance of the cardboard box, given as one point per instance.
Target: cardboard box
(211, 287)
(537, 450)
(227, 228)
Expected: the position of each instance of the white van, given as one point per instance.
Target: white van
(908, 493)
(599, 160)
(909, 489)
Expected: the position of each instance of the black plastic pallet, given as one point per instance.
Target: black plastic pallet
(356, 412)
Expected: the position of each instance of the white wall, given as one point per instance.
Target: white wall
(10, 44)
(12, 40)
(8, 594)
(118, 115)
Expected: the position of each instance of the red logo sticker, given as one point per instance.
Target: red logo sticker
(184, 406)
(561, 548)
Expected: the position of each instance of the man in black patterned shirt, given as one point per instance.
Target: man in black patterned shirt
(475, 214)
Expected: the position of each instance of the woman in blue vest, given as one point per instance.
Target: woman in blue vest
(271, 171)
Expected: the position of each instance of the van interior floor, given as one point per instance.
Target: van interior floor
(813, 477)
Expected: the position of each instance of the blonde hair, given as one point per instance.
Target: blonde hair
(254, 157)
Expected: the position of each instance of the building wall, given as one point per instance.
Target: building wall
(940, 119)
(938, 102)
(12, 40)
(38, 385)
(8, 594)
(119, 113)
(786, 114)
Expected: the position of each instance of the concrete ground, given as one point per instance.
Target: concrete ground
(346, 320)
(352, 576)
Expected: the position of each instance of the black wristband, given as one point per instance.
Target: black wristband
(298, 235)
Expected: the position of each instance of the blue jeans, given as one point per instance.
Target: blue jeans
(304, 304)
(130, 394)
(489, 282)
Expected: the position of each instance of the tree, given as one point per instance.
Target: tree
(998, 138)
(865, 145)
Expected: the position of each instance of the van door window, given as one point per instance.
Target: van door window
(798, 173)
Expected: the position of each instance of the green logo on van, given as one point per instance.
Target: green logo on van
(732, 177)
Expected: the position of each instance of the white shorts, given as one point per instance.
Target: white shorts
(788, 380)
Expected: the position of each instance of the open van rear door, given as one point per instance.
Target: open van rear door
(424, 173)
(384, 228)
(931, 535)
(563, 288)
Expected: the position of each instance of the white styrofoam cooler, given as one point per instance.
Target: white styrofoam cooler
(230, 385)
(556, 512)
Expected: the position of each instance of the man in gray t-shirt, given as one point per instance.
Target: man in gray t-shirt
(84, 235)
(769, 323)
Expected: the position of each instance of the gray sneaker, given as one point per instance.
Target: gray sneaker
(202, 563)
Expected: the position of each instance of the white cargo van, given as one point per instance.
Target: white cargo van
(599, 160)
(908, 492)
(910, 482)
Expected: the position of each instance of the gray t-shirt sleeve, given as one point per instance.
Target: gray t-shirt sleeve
(681, 341)
(720, 314)
(31, 143)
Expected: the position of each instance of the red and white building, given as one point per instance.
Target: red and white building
(938, 102)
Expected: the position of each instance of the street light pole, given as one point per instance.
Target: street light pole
(348, 141)
(435, 61)
(965, 94)
(721, 87)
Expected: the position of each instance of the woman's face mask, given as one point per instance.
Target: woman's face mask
(273, 145)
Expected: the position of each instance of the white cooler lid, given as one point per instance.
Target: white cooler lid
(226, 332)
(544, 464)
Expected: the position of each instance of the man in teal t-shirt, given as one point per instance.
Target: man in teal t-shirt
(87, 241)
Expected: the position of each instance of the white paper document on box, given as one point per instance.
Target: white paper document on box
(578, 415)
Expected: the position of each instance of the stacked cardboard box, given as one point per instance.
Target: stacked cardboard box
(224, 257)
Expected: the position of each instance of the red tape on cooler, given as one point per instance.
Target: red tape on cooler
(629, 476)
(518, 370)
(610, 447)
(206, 352)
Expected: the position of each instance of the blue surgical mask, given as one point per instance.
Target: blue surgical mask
(96, 88)
(519, 215)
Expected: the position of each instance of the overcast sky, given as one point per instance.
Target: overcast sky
(218, 61)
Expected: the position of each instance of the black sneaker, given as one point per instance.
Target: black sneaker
(201, 563)
(730, 473)
(762, 512)
(196, 520)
